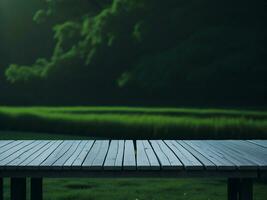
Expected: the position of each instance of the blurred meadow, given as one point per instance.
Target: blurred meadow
(137, 123)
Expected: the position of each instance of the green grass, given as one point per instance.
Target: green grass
(125, 122)
(139, 189)
(129, 189)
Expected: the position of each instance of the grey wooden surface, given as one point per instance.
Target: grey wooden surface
(146, 156)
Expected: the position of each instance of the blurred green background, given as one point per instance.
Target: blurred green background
(181, 69)
(123, 52)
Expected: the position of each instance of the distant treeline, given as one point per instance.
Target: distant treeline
(144, 52)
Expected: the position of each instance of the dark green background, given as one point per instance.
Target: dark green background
(167, 53)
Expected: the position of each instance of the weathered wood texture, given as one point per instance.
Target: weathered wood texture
(128, 155)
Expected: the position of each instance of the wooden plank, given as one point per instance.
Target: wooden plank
(4, 143)
(261, 151)
(27, 153)
(44, 155)
(166, 157)
(56, 154)
(68, 153)
(100, 158)
(119, 158)
(209, 165)
(12, 152)
(91, 156)
(96, 157)
(115, 155)
(241, 162)
(129, 160)
(259, 148)
(36, 154)
(251, 156)
(219, 160)
(75, 155)
(141, 157)
(19, 154)
(77, 164)
(9, 146)
(187, 159)
(258, 151)
(262, 143)
(163, 159)
(112, 154)
(153, 160)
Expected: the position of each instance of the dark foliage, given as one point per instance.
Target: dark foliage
(145, 52)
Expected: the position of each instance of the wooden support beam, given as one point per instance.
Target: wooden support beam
(18, 188)
(1, 189)
(246, 189)
(233, 188)
(36, 189)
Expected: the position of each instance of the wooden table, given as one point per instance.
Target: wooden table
(239, 161)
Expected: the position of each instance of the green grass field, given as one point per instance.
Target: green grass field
(129, 189)
(139, 189)
(125, 122)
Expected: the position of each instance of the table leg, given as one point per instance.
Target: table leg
(18, 188)
(36, 188)
(246, 189)
(233, 188)
(1, 188)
